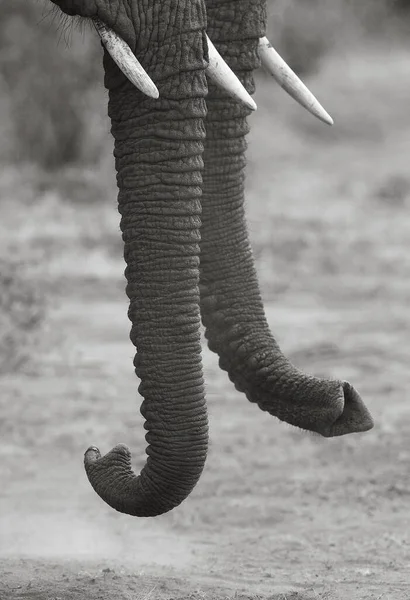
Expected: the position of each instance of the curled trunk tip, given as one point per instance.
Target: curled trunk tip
(145, 495)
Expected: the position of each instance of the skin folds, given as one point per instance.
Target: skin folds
(180, 163)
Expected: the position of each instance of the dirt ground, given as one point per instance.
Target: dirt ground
(278, 513)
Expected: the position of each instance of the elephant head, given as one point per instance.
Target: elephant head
(180, 162)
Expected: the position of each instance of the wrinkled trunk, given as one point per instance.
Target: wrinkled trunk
(231, 305)
(158, 148)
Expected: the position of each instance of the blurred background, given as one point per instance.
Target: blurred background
(328, 212)
(56, 151)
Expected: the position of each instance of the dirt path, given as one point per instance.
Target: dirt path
(276, 513)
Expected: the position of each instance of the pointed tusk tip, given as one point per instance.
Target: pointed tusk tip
(154, 93)
(221, 74)
(290, 82)
(252, 104)
(327, 119)
(320, 113)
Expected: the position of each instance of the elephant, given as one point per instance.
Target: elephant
(180, 163)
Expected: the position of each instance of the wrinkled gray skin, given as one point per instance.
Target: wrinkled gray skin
(180, 171)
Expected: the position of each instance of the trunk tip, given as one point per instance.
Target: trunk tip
(92, 455)
(355, 416)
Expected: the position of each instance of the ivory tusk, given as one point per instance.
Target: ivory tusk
(123, 56)
(223, 76)
(289, 81)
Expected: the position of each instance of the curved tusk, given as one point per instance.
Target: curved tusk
(289, 81)
(123, 56)
(223, 76)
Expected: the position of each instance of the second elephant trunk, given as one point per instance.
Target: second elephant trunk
(231, 305)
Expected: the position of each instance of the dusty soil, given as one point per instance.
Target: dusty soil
(277, 514)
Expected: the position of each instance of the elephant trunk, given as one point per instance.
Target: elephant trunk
(158, 151)
(231, 305)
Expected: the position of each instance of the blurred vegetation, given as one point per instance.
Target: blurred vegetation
(306, 30)
(48, 90)
(52, 104)
(22, 311)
